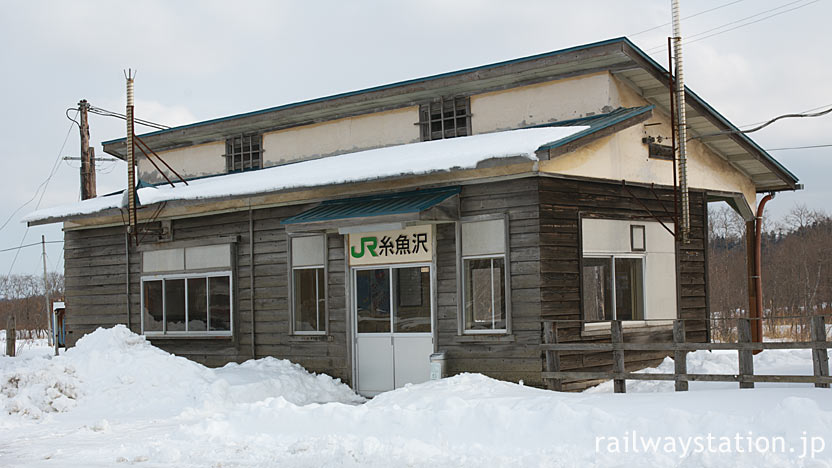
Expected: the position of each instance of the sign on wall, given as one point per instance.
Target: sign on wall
(411, 244)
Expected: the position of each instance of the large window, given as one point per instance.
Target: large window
(445, 118)
(187, 304)
(187, 291)
(309, 284)
(243, 153)
(613, 288)
(485, 302)
(628, 271)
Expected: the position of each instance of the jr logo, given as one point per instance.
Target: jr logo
(366, 242)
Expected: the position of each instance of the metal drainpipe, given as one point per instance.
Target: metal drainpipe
(758, 267)
(251, 276)
(127, 273)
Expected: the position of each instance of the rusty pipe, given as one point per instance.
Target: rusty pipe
(758, 269)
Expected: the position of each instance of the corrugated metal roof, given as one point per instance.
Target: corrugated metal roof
(595, 123)
(375, 205)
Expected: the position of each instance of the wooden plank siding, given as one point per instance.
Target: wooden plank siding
(545, 256)
(96, 279)
(511, 357)
(562, 205)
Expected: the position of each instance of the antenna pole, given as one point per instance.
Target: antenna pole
(681, 125)
(131, 159)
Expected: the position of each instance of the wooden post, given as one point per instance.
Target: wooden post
(820, 357)
(87, 154)
(550, 336)
(680, 356)
(617, 335)
(11, 334)
(746, 356)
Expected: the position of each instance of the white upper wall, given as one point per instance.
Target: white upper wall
(347, 135)
(190, 162)
(542, 103)
(617, 157)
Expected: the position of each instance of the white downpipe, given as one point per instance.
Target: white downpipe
(682, 123)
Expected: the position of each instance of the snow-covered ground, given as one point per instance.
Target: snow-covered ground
(115, 400)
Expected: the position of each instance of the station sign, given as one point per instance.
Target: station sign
(408, 245)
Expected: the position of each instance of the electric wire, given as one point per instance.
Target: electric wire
(9, 249)
(765, 124)
(699, 36)
(146, 123)
(799, 147)
(45, 185)
(685, 17)
(42, 184)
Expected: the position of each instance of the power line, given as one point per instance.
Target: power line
(45, 185)
(685, 17)
(697, 35)
(799, 147)
(146, 123)
(754, 22)
(30, 245)
(765, 124)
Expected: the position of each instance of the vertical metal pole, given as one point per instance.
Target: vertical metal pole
(251, 277)
(682, 123)
(46, 297)
(127, 276)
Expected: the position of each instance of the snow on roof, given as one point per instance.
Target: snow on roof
(411, 159)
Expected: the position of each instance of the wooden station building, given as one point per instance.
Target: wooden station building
(358, 234)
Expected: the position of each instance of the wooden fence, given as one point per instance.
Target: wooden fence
(678, 348)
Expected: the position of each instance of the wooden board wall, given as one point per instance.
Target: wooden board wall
(517, 356)
(96, 278)
(562, 204)
(544, 237)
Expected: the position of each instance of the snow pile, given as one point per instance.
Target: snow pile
(40, 386)
(411, 159)
(117, 373)
(135, 404)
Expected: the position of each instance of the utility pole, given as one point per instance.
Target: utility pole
(87, 154)
(46, 296)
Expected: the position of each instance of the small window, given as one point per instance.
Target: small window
(445, 118)
(243, 153)
(485, 294)
(191, 304)
(308, 285)
(613, 288)
(484, 277)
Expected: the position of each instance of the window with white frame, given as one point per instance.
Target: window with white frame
(187, 291)
(309, 284)
(484, 265)
(628, 271)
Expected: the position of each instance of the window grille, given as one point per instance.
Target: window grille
(445, 118)
(243, 153)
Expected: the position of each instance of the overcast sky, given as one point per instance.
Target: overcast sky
(198, 60)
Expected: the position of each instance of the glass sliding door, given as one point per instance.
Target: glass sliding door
(393, 323)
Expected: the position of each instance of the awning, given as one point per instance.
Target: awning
(436, 204)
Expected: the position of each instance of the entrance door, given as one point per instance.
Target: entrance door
(394, 337)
